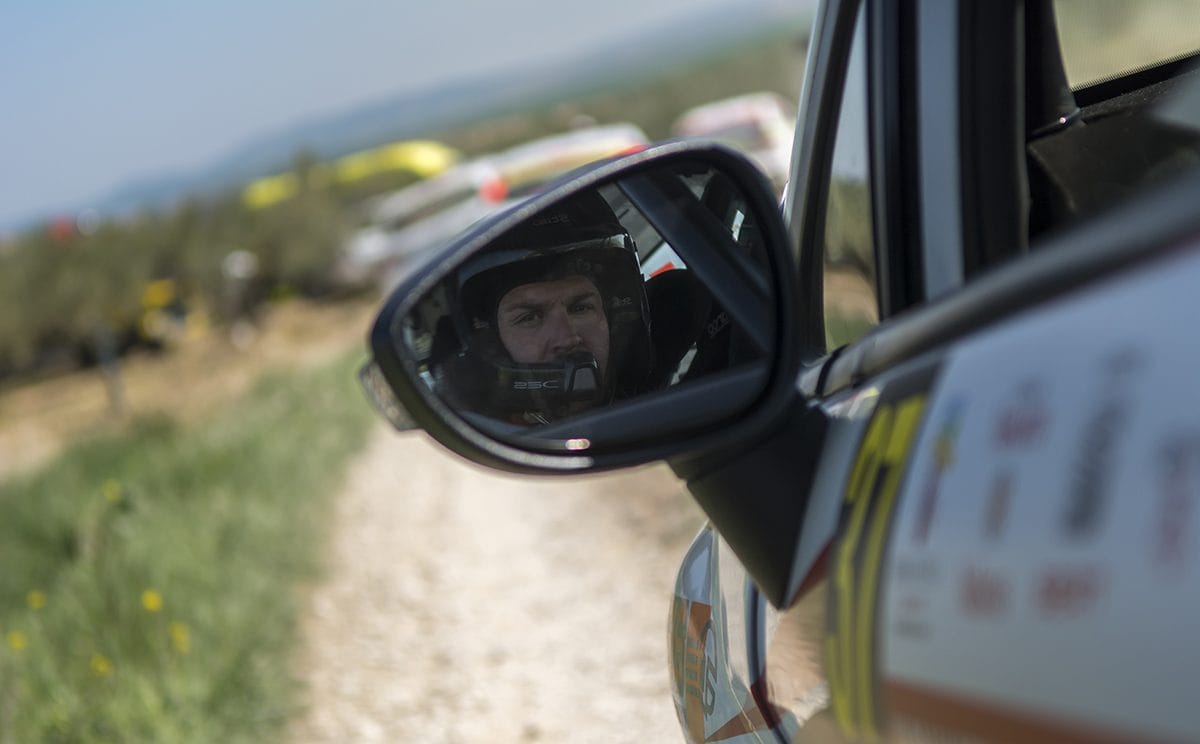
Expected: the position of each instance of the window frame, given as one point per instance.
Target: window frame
(1148, 225)
(893, 120)
(812, 161)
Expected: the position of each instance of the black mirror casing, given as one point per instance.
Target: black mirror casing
(660, 425)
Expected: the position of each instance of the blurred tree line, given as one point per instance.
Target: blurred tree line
(773, 64)
(72, 289)
(69, 290)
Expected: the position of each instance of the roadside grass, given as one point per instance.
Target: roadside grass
(149, 582)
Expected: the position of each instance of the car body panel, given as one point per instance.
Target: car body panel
(712, 682)
(1041, 416)
(1050, 507)
(973, 566)
(1001, 625)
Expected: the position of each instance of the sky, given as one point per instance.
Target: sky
(97, 94)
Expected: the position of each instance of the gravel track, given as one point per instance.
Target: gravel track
(462, 605)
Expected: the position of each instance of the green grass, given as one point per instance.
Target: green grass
(149, 582)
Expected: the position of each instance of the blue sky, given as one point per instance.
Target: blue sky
(96, 94)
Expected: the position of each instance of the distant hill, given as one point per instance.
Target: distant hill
(430, 112)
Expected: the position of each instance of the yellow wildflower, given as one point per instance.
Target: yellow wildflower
(101, 666)
(36, 599)
(151, 600)
(181, 637)
(17, 640)
(112, 490)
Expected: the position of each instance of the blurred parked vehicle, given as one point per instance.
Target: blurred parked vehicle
(526, 167)
(422, 158)
(760, 125)
(400, 222)
(412, 220)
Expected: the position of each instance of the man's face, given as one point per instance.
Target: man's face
(545, 321)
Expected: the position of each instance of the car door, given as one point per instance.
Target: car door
(742, 668)
(1028, 315)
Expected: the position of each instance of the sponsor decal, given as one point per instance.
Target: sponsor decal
(1067, 534)
(1023, 421)
(697, 674)
(749, 720)
(711, 699)
(943, 458)
(1069, 591)
(1177, 501)
(913, 579)
(998, 502)
(691, 630)
(867, 509)
(984, 592)
(1086, 500)
(1102, 434)
(1020, 425)
(708, 670)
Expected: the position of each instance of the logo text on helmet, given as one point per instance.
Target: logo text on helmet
(581, 266)
(537, 384)
(552, 219)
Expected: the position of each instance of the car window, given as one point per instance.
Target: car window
(850, 297)
(1132, 131)
(1102, 39)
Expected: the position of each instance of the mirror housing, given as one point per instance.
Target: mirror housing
(702, 205)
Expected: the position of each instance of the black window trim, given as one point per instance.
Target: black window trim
(812, 161)
(992, 131)
(893, 144)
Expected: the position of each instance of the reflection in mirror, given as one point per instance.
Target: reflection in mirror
(641, 284)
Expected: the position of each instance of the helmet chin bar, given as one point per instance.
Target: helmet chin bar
(554, 387)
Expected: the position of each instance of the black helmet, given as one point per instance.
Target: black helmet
(578, 238)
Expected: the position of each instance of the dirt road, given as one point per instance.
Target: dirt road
(465, 606)
(459, 605)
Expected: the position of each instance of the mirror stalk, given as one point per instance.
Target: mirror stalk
(774, 478)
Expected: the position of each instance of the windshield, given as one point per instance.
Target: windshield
(1103, 39)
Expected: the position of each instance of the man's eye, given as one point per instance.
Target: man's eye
(580, 308)
(525, 319)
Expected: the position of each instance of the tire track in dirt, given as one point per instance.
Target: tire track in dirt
(462, 605)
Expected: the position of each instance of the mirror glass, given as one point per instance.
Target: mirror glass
(652, 281)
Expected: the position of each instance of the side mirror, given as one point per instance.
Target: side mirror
(639, 311)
